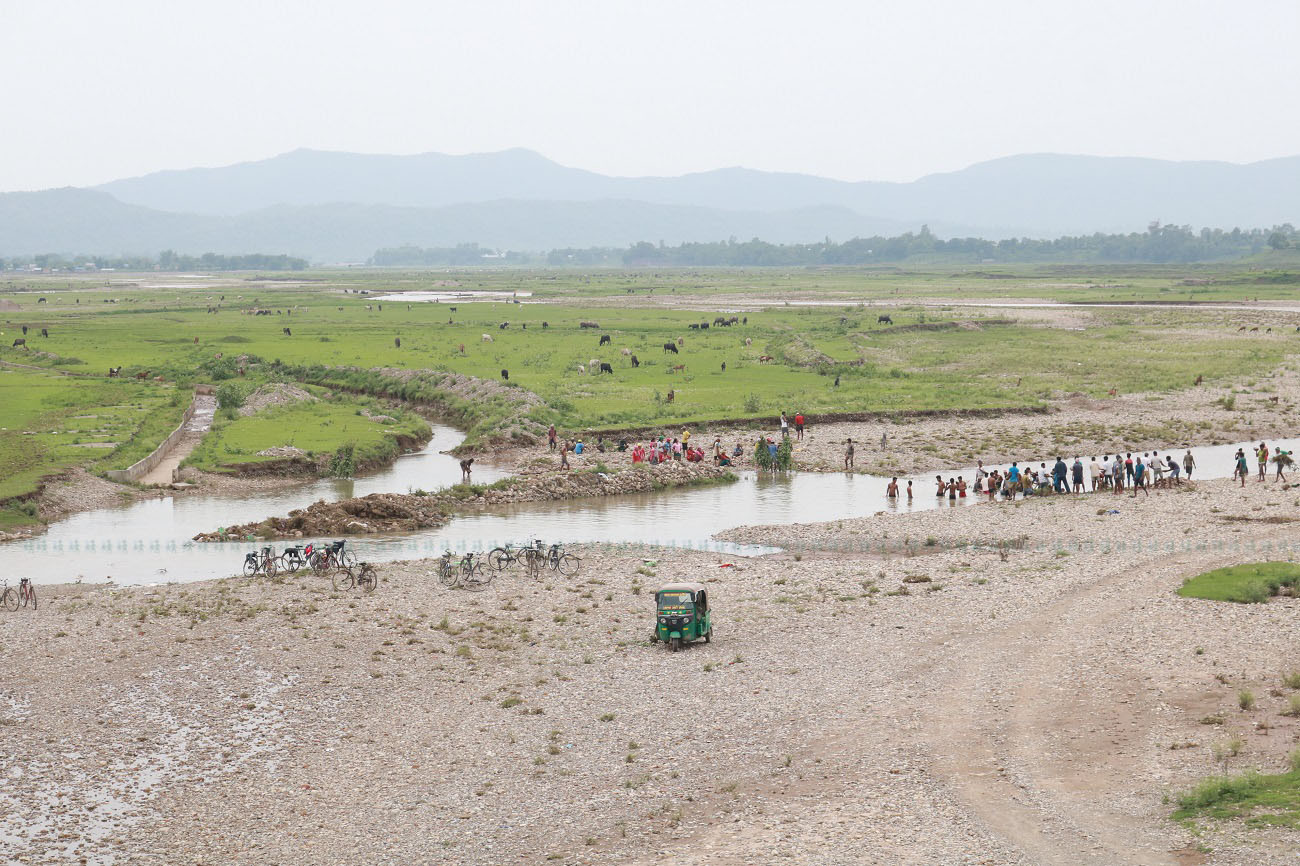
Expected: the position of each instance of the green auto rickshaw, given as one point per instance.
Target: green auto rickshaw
(683, 614)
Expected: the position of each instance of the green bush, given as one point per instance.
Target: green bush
(344, 464)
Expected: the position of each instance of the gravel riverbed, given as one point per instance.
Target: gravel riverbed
(956, 705)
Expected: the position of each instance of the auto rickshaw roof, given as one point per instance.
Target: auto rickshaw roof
(692, 588)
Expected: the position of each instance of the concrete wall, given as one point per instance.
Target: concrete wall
(143, 467)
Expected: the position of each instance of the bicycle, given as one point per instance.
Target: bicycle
(9, 595)
(264, 563)
(334, 556)
(472, 574)
(27, 592)
(362, 576)
(293, 559)
(501, 558)
(565, 563)
(447, 573)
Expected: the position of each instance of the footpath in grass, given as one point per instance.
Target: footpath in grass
(1250, 583)
(1261, 800)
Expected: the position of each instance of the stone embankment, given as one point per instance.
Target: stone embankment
(404, 512)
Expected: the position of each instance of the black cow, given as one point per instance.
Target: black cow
(724, 366)
(287, 332)
(635, 362)
(546, 324)
(704, 327)
(606, 368)
(453, 309)
(693, 327)
(588, 325)
(884, 320)
(40, 300)
(505, 374)
(604, 338)
(745, 321)
(397, 341)
(720, 320)
(44, 333)
(670, 347)
(25, 330)
(503, 325)
(19, 342)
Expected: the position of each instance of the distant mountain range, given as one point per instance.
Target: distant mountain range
(329, 206)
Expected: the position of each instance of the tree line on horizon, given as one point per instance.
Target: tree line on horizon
(1159, 244)
(167, 260)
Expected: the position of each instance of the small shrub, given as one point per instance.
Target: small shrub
(1246, 699)
(1291, 680)
(606, 717)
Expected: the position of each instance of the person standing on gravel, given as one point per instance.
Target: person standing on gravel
(1094, 473)
(551, 436)
(848, 455)
(785, 426)
(798, 426)
(1242, 468)
(1189, 463)
(884, 440)
(1139, 478)
(1157, 466)
(1261, 454)
(1077, 470)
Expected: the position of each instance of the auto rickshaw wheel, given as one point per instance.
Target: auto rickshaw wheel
(675, 644)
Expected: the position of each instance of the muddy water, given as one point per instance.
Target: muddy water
(148, 542)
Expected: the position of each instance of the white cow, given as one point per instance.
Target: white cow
(487, 338)
(582, 369)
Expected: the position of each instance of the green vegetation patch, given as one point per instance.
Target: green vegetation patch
(1251, 583)
(317, 427)
(1260, 800)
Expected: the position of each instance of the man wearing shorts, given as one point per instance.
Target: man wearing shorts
(1094, 473)
(798, 426)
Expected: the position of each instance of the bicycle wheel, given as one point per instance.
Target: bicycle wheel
(568, 564)
(478, 578)
(342, 578)
(319, 562)
(498, 558)
(250, 568)
(9, 598)
(270, 566)
(368, 579)
(30, 596)
(348, 558)
(446, 573)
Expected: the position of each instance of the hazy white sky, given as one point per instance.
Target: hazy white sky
(96, 90)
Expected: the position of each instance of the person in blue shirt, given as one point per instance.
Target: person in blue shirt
(1058, 476)
(1139, 477)
(1013, 479)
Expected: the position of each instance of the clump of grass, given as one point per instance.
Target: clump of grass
(1246, 699)
(1291, 680)
(1293, 706)
(512, 701)
(1251, 583)
(605, 717)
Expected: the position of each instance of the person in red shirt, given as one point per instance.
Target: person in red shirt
(798, 426)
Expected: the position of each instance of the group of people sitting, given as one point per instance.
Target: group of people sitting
(664, 449)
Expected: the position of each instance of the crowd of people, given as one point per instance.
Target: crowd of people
(661, 449)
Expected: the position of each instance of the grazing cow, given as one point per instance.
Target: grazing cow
(25, 330)
(837, 380)
(722, 324)
(604, 340)
(219, 355)
(1199, 380)
(670, 347)
(159, 379)
(734, 320)
(625, 352)
(884, 320)
(1256, 328)
(593, 365)
(450, 322)
(487, 338)
(672, 395)
(681, 341)
(453, 309)
(548, 324)
(242, 371)
(287, 332)
(724, 366)
(704, 326)
(196, 341)
(397, 341)
(113, 371)
(368, 307)
(503, 326)
(465, 469)
(606, 368)
(19, 342)
(462, 348)
(40, 300)
(582, 369)
(678, 368)
(635, 362)
(588, 325)
(693, 327)
(745, 320)
(1273, 400)
(763, 359)
(45, 333)
(720, 320)
(749, 341)
(505, 374)
(144, 375)
(524, 326)
(1243, 327)
(1268, 331)
(1112, 392)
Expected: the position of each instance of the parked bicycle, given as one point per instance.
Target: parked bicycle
(473, 576)
(24, 595)
(565, 563)
(264, 562)
(502, 558)
(294, 558)
(363, 576)
(333, 556)
(448, 573)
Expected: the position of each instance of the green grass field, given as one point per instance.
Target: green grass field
(1261, 800)
(1251, 583)
(933, 358)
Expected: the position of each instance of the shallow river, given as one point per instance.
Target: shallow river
(149, 541)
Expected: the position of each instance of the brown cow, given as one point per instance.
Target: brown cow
(671, 396)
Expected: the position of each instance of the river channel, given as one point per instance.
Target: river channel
(149, 541)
